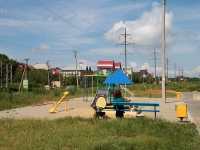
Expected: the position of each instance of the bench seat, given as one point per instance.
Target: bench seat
(147, 110)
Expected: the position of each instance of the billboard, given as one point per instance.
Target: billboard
(25, 84)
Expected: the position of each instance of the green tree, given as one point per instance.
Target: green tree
(136, 77)
(10, 62)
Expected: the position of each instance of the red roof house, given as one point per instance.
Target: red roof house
(106, 64)
(118, 65)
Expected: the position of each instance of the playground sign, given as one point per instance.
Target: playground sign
(25, 84)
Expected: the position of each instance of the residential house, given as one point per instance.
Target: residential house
(71, 69)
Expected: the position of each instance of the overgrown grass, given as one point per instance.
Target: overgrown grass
(79, 133)
(11, 100)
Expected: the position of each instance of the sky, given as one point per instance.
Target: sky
(52, 30)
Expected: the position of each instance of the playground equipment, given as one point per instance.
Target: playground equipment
(116, 78)
(85, 83)
(64, 94)
(99, 103)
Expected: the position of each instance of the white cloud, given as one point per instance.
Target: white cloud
(147, 30)
(44, 47)
(50, 19)
(133, 64)
(92, 64)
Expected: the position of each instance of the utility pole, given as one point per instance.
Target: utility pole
(154, 53)
(26, 75)
(125, 52)
(6, 76)
(175, 71)
(182, 73)
(48, 74)
(75, 53)
(1, 73)
(199, 82)
(167, 70)
(179, 73)
(163, 51)
(11, 75)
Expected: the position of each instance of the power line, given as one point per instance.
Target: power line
(28, 35)
(175, 71)
(33, 26)
(125, 43)
(10, 44)
(80, 16)
(69, 22)
(155, 53)
(75, 53)
(26, 75)
(167, 68)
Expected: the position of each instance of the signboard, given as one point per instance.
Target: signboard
(25, 84)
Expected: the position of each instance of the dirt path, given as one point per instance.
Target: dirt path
(75, 107)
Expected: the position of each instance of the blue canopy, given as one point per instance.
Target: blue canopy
(118, 77)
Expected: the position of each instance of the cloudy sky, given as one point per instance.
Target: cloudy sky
(51, 30)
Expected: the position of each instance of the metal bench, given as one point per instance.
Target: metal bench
(117, 106)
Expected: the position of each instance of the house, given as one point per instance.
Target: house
(54, 71)
(45, 67)
(118, 66)
(144, 73)
(71, 69)
(22, 66)
(41, 66)
(106, 64)
(129, 71)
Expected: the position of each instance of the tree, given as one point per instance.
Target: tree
(135, 77)
(6, 61)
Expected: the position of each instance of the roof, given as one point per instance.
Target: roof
(143, 72)
(22, 66)
(41, 66)
(118, 65)
(73, 67)
(118, 77)
(54, 70)
(105, 64)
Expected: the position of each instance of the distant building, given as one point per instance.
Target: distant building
(144, 73)
(71, 69)
(54, 71)
(22, 66)
(45, 67)
(105, 65)
(41, 66)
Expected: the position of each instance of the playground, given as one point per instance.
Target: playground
(107, 103)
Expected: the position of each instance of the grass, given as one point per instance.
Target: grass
(38, 96)
(11, 100)
(79, 133)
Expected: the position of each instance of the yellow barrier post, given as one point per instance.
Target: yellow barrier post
(178, 94)
(181, 110)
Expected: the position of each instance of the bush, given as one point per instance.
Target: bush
(72, 90)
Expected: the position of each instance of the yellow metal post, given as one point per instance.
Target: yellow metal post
(178, 94)
(181, 110)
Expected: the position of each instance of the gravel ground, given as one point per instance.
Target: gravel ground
(76, 107)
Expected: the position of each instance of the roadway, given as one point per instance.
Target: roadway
(193, 107)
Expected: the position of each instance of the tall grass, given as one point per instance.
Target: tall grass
(11, 100)
(79, 133)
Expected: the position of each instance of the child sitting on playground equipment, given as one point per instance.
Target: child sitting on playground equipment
(117, 97)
